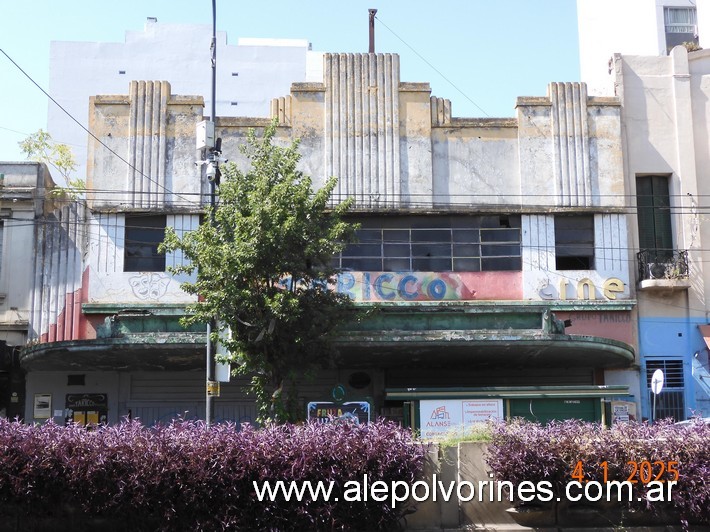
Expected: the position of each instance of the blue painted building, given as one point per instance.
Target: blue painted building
(665, 104)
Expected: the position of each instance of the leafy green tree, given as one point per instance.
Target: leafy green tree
(40, 147)
(263, 265)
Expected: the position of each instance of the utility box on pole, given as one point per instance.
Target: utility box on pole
(205, 135)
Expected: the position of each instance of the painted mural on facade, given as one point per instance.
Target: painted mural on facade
(429, 286)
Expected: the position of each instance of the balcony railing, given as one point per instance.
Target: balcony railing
(665, 265)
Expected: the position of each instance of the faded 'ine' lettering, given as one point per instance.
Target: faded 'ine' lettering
(585, 289)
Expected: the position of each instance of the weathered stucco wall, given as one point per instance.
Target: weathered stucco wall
(392, 146)
(389, 143)
(23, 188)
(146, 154)
(665, 113)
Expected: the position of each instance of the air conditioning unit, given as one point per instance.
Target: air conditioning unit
(657, 270)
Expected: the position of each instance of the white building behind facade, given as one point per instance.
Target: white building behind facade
(638, 50)
(635, 27)
(250, 73)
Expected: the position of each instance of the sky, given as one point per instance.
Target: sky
(480, 54)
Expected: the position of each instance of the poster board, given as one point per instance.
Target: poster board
(42, 406)
(443, 417)
(327, 411)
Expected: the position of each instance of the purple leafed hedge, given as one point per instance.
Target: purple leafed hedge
(186, 476)
(636, 452)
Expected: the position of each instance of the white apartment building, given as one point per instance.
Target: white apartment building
(249, 74)
(634, 27)
(632, 49)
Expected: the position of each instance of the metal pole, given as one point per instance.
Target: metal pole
(372, 12)
(213, 49)
(209, 397)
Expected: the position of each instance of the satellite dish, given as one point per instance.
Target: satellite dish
(657, 381)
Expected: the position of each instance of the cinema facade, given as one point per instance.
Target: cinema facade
(494, 252)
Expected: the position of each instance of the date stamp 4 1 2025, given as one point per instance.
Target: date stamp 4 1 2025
(644, 471)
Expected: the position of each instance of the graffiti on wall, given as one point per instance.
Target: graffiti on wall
(429, 286)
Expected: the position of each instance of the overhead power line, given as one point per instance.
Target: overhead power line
(420, 56)
(55, 102)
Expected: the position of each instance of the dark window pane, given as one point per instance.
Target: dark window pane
(142, 237)
(431, 235)
(573, 263)
(574, 242)
(466, 222)
(431, 265)
(369, 236)
(490, 221)
(672, 372)
(396, 235)
(501, 264)
(500, 250)
(431, 250)
(362, 250)
(374, 265)
(396, 250)
(467, 250)
(396, 265)
(500, 235)
(466, 236)
(467, 265)
(580, 249)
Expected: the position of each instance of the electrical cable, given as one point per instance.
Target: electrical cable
(426, 204)
(168, 191)
(432, 66)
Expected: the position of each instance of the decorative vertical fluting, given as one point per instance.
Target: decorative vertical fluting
(57, 291)
(281, 110)
(611, 243)
(362, 127)
(147, 141)
(570, 137)
(538, 242)
(440, 111)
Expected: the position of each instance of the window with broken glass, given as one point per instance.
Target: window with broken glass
(143, 236)
(574, 242)
(435, 243)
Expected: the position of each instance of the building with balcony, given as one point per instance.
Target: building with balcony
(495, 249)
(664, 114)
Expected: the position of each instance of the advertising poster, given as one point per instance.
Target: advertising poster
(42, 406)
(444, 417)
(623, 411)
(327, 411)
